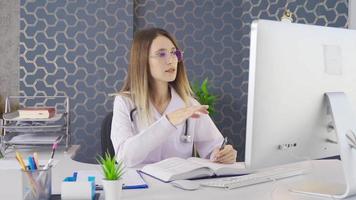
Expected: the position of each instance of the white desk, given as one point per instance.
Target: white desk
(324, 170)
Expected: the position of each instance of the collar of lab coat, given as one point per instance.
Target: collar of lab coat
(175, 103)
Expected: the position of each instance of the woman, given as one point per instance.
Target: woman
(155, 116)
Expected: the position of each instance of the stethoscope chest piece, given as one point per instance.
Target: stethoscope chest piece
(186, 138)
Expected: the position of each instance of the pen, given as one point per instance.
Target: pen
(20, 160)
(223, 144)
(35, 157)
(23, 167)
(52, 155)
(31, 164)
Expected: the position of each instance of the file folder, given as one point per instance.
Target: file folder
(132, 179)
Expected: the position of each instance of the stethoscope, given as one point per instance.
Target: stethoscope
(186, 138)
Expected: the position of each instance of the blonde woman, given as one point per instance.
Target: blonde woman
(155, 116)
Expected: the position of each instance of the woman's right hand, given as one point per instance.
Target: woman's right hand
(180, 115)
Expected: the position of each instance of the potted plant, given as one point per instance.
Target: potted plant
(112, 173)
(203, 96)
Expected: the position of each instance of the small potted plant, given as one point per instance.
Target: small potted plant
(112, 172)
(203, 95)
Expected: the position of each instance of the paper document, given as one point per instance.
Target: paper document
(131, 178)
(34, 139)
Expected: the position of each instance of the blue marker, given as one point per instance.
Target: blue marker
(31, 163)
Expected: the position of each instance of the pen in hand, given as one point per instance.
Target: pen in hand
(223, 144)
(215, 157)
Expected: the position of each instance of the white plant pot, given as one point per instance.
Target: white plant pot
(112, 189)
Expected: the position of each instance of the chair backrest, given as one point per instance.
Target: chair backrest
(106, 144)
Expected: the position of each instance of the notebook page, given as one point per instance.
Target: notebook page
(175, 165)
(221, 169)
(170, 167)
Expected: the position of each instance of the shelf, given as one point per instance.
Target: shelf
(13, 116)
(35, 131)
(34, 126)
(29, 129)
(34, 139)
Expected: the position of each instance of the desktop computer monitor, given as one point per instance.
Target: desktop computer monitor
(292, 66)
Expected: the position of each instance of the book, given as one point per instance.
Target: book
(36, 112)
(192, 168)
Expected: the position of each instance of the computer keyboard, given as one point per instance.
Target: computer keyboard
(255, 178)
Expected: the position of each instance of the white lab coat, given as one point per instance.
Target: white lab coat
(135, 145)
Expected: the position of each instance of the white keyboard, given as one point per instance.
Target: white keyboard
(255, 178)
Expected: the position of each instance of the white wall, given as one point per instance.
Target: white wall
(352, 14)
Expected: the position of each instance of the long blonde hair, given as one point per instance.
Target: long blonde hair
(137, 85)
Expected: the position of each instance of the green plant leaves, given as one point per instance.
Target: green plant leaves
(204, 86)
(111, 170)
(203, 95)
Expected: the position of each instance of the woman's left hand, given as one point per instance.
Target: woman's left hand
(226, 155)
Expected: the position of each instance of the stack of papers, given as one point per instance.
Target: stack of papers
(34, 139)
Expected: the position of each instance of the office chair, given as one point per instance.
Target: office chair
(106, 144)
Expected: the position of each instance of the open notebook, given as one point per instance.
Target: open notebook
(178, 168)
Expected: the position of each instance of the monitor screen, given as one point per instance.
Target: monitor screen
(292, 66)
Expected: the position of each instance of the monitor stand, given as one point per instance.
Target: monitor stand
(345, 127)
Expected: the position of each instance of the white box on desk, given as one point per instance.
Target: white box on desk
(9, 188)
(76, 190)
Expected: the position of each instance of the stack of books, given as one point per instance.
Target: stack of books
(36, 112)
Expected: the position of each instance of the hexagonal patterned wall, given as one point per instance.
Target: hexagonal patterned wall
(80, 48)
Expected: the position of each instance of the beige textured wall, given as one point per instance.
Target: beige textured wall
(9, 47)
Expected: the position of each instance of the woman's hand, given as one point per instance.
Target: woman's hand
(226, 155)
(183, 114)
